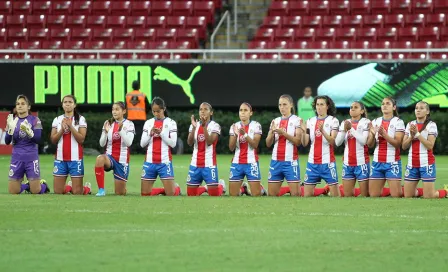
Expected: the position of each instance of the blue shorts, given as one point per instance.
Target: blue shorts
(359, 173)
(198, 174)
(121, 170)
(385, 170)
(316, 172)
(279, 170)
(426, 173)
(152, 170)
(64, 168)
(249, 170)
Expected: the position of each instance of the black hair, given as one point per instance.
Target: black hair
(136, 85)
(287, 96)
(247, 104)
(161, 103)
(122, 105)
(394, 103)
(24, 97)
(331, 107)
(428, 116)
(75, 112)
(363, 107)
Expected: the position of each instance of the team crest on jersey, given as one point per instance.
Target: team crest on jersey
(11, 172)
(188, 178)
(406, 174)
(391, 126)
(116, 136)
(231, 175)
(55, 169)
(269, 175)
(201, 137)
(22, 134)
(318, 133)
(305, 177)
(143, 172)
(343, 172)
(327, 125)
(242, 139)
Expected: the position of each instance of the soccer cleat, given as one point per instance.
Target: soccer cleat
(180, 191)
(223, 183)
(88, 185)
(264, 192)
(101, 192)
(47, 189)
(69, 183)
(445, 187)
(327, 189)
(245, 189)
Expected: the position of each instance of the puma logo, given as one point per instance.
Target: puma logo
(161, 73)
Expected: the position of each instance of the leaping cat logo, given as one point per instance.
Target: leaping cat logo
(161, 73)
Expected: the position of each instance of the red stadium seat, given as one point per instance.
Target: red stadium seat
(196, 22)
(438, 20)
(352, 21)
(277, 45)
(5, 7)
(341, 44)
(272, 22)
(140, 8)
(191, 35)
(278, 8)
(206, 8)
(61, 7)
(284, 34)
(319, 45)
(82, 7)
(101, 7)
(373, 20)
(440, 6)
(118, 45)
(366, 34)
(41, 7)
(359, 7)
(76, 21)
(319, 7)
(339, 7)
(98, 21)
(401, 7)
(361, 44)
(345, 34)
(380, 44)
(298, 8)
(429, 33)
(332, 21)
(386, 34)
(444, 34)
(181, 45)
(291, 21)
(11, 45)
(312, 21)
(116, 21)
(15, 21)
(441, 56)
(183, 8)
(417, 20)
(2, 21)
(21, 7)
(125, 34)
(442, 44)
(31, 45)
(176, 22)
(73, 45)
(265, 34)
(17, 34)
(81, 34)
(299, 45)
(161, 8)
(422, 6)
(258, 45)
(122, 8)
(136, 21)
(137, 45)
(304, 34)
(158, 45)
(100, 34)
(52, 45)
(380, 6)
(408, 34)
(156, 21)
(57, 21)
(146, 34)
(60, 34)
(3, 34)
(95, 45)
(394, 20)
(42, 34)
(35, 21)
(325, 34)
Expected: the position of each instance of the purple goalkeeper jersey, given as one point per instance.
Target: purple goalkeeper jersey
(25, 148)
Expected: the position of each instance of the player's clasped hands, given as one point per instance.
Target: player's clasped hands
(107, 126)
(347, 125)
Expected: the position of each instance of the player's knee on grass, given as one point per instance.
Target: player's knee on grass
(14, 187)
(35, 187)
(234, 188)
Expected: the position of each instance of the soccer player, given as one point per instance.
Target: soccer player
(118, 133)
(24, 132)
(244, 139)
(321, 131)
(420, 137)
(159, 136)
(68, 133)
(285, 134)
(354, 132)
(388, 132)
(203, 135)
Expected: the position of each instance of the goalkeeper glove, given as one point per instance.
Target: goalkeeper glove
(26, 127)
(11, 124)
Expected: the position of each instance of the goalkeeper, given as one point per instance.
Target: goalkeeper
(24, 131)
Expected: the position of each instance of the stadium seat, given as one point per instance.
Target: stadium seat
(31, 45)
(61, 8)
(17, 34)
(196, 21)
(332, 21)
(10, 45)
(161, 8)
(82, 7)
(116, 21)
(101, 7)
(74, 45)
(417, 20)
(140, 8)
(401, 7)
(206, 8)
(96, 45)
(41, 7)
(352, 21)
(35, 21)
(126, 34)
(258, 45)
(361, 44)
(5, 7)
(21, 7)
(373, 21)
(52, 45)
(295, 8)
(428, 33)
(438, 20)
(291, 21)
(306, 34)
(183, 8)
(2, 21)
(366, 34)
(137, 45)
(341, 45)
(277, 45)
(380, 6)
(116, 45)
(325, 34)
(58, 34)
(394, 20)
(98, 21)
(407, 34)
(422, 6)
(319, 7)
(265, 34)
(156, 21)
(272, 22)
(15, 21)
(339, 7)
(136, 21)
(175, 22)
(359, 7)
(81, 34)
(191, 35)
(57, 21)
(440, 6)
(312, 21)
(122, 8)
(386, 34)
(102, 34)
(345, 34)
(76, 21)
(158, 45)
(42, 34)
(278, 8)
(146, 34)
(284, 34)
(444, 34)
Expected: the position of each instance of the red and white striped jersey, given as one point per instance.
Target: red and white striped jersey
(68, 148)
(321, 151)
(285, 150)
(355, 152)
(419, 156)
(115, 144)
(204, 155)
(244, 153)
(158, 151)
(385, 152)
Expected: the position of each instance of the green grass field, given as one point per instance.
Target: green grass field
(132, 233)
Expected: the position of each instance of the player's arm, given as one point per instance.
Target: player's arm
(146, 137)
(127, 135)
(361, 138)
(331, 138)
(407, 140)
(253, 142)
(296, 138)
(232, 138)
(341, 135)
(56, 135)
(37, 132)
(427, 143)
(190, 139)
(105, 131)
(170, 139)
(396, 141)
(271, 135)
(80, 135)
(210, 138)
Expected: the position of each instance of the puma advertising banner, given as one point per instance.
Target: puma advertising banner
(226, 85)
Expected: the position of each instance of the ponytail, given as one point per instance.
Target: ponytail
(428, 116)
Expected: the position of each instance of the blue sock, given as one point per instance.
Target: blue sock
(24, 187)
(43, 188)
